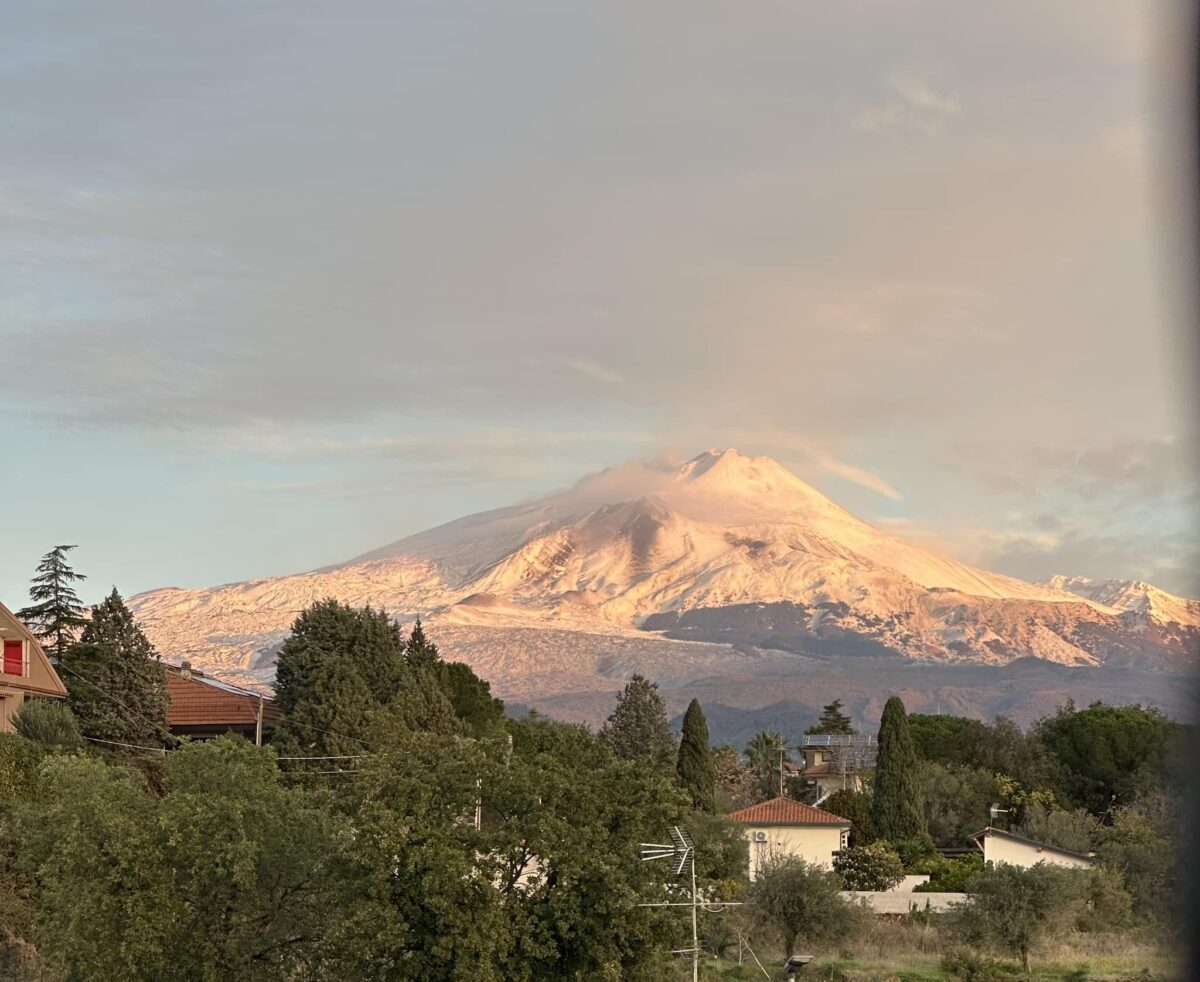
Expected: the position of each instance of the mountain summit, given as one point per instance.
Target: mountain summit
(724, 549)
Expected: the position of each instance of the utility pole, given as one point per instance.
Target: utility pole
(258, 723)
(682, 851)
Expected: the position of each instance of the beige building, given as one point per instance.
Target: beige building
(25, 671)
(836, 762)
(999, 846)
(785, 827)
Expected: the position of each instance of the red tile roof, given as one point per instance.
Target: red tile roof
(197, 700)
(785, 811)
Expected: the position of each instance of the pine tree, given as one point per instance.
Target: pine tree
(833, 720)
(419, 652)
(694, 765)
(337, 669)
(637, 728)
(116, 683)
(896, 805)
(56, 613)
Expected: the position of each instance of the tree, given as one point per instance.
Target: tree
(228, 875)
(694, 766)
(337, 670)
(1108, 752)
(896, 799)
(1075, 830)
(796, 901)
(766, 753)
(116, 684)
(855, 807)
(56, 612)
(735, 782)
(946, 739)
(956, 799)
(420, 653)
(873, 867)
(833, 720)
(637, 728)
(1015, 909)
(471, 698)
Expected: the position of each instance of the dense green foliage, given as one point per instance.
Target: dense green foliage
(1016, 910)
(1108, 752)
(459, 843)
(116, 684)
(873, 867)
(694, 766)
(956, 799)
(637, 727)
(855, 806)
(56, 613)
(896, 802)
(50, 723)
(948, 875)
(833, 720)
(796, 902)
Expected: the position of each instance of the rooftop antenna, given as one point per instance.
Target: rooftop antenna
(996, 811)
(681, 850)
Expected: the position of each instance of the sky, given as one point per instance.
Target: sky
(286, 281)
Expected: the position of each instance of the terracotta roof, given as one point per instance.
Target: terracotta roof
(197, 700)
(785, 811)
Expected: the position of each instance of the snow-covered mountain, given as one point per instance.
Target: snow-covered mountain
(724, 550)
(1141, 602)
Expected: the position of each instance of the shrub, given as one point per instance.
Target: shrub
(915, 851)
(949, 875)
(873, 867)
(19, 759)
(796, 901)
(971, 967)
(49, 723)
(1015, 909)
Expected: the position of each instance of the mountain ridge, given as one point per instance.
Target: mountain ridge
(725, 549)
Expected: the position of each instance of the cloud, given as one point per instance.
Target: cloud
(917, 108)
(594, 371)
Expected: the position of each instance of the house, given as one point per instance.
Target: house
(786, 827)
(203, 707)
(999, 846)
(837, 761)
(25, 671)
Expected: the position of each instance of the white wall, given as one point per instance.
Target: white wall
(813, 844)
(997, 849)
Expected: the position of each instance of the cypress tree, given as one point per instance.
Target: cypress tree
(896, 805)
(637, 728)
(56, 612)
(116, 683)
(694, 765)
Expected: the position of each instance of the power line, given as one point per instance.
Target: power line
(131, 746)
(109, 695)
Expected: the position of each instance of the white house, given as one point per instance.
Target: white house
(785, 827)
(999, 846)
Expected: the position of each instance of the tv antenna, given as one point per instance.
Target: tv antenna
(681, 851)
(996, 811)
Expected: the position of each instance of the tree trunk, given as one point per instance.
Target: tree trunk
(1025, 958)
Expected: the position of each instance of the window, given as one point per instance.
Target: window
(14, 657)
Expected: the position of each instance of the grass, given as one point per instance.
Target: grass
(898, 951)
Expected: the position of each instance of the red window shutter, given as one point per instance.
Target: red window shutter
(14, 657)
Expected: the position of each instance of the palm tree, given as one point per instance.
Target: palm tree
(766, 753)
